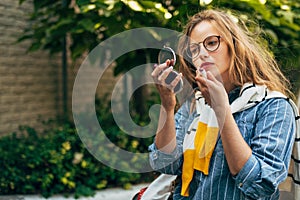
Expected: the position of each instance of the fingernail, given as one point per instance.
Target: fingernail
(172, 62)
(155, 65)
(203, 73)
(168, 62)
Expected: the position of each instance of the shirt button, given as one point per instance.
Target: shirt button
(155, 156)
(240, 185)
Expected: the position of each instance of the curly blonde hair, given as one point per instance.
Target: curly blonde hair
(251, 61)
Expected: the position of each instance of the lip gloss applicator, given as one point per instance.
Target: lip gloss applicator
(203, 72)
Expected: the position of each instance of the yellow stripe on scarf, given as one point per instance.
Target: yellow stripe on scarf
(188, 163)
(198, 158)
(205, 141)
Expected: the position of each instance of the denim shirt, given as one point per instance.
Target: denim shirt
(268, 128)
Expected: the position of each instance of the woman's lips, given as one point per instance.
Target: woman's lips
(205, 65)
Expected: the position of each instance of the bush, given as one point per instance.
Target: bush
(54, 161)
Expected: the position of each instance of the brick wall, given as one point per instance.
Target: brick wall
(29, 81)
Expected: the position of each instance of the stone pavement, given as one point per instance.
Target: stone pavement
(107, 194)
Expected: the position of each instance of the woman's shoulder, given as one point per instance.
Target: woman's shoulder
(278, 105)
(279, 101)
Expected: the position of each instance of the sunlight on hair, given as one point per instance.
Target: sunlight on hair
(243, 17)
(233, 17)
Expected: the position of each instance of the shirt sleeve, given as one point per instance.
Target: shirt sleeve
(271, 146)
(171, 163)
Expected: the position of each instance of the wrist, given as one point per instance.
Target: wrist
(169, 105)
(223, 115)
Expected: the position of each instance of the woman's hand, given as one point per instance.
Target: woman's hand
(166, 136)
(215, 94)
(166, 91)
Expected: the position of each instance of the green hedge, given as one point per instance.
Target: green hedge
(54, 160)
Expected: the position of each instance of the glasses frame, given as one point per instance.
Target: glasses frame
(189, 54)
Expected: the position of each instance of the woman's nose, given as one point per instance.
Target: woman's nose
(203, 53)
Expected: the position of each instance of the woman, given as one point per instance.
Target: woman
(233, 138)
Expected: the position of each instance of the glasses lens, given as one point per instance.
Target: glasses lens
(193, 50)
(211, 43)
(165, 54)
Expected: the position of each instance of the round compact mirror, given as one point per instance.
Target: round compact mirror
(165, 54)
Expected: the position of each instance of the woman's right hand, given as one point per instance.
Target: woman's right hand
(166, 91)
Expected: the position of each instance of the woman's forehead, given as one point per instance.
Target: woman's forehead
(202, 30)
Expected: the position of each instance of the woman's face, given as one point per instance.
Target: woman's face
(218, 61)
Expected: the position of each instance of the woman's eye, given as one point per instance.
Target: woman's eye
(211, 43)
(193, 50)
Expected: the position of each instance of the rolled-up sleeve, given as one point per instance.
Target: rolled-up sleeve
(171, 163)
(271, 146)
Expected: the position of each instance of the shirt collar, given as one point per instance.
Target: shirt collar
(233, 94)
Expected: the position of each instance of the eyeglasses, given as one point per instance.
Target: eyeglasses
(211, 43)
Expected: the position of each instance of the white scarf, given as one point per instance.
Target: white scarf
(202, 135)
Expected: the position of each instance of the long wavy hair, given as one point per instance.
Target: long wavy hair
(250, 59)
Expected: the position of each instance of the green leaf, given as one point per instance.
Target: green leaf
(82, 2)
(34, 47)
(274, 21)
(87, 24)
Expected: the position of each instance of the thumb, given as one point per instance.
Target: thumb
(213, 78)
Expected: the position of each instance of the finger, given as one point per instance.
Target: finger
(201, 80)
(203, 83)
(176, 81)
(203, 73)
(213, 78)
(158, 69)
(164, 74)
(172, 62)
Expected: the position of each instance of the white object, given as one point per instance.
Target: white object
(160, 188)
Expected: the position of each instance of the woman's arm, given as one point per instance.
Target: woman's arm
(271, 144)
(165, 150)
(165, 135)
(259, 167)
(236, 150)
(165, 139)
(170, 163)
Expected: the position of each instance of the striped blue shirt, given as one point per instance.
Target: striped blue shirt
(268, 128)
